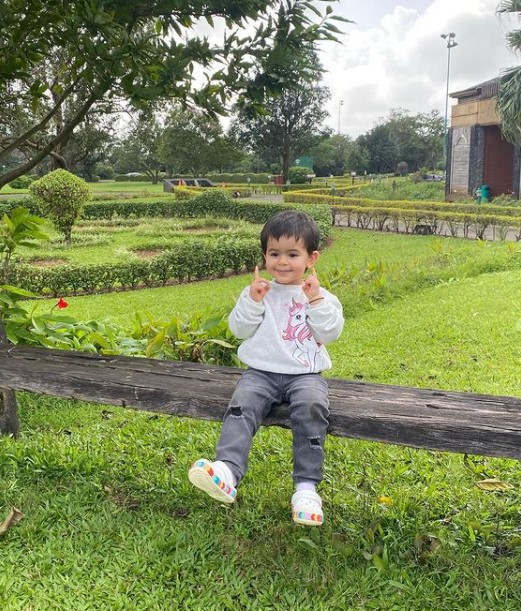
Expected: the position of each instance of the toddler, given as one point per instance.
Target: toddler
(285, 325)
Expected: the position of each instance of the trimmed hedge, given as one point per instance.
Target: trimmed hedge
(321, 196)
(380, 218)
(390, 214)
(196, 259)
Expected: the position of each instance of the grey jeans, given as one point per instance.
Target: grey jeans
(256, 392)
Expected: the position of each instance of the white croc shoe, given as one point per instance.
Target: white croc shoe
(203, 476)
(306, 508)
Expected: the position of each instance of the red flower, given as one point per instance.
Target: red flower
(62, 303)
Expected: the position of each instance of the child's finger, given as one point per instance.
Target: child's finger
(257, 275)
(313, 271)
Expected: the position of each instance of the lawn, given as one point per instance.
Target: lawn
(111, 521)
(398, 188)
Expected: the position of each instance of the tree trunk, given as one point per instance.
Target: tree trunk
(9, 423)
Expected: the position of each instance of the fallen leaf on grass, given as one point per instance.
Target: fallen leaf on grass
(493, 484)
(13, 518)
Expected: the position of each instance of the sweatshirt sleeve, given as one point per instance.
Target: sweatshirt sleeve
(246, 316)
(326, 319)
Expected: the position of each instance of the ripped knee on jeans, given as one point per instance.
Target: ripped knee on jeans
(236, 411)
(314, 443)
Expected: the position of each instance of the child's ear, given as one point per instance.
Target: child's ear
(313, 258)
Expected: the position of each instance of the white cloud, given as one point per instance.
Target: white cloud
(397, 58)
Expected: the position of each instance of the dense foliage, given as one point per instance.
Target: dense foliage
(292, 125)
(61, 61)
(509, 95)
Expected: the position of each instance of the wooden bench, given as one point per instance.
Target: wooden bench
(431, 419)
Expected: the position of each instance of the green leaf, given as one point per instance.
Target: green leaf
(15, 290)
(98, 339)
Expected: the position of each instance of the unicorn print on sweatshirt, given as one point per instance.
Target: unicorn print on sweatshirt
(307, 351)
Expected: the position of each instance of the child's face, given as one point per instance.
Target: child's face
(287, 260)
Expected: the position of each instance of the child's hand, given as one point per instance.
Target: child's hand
(311, 286)
(259, 287)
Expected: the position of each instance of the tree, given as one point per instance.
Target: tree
(140, 151)
(415, 139)
(88, 146)
(292, 125)
(140, 51)
(226, 154)
(189, 143)
(335, 154)
(508, 101)
(383, 148)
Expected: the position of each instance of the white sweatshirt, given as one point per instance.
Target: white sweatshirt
(283, 333)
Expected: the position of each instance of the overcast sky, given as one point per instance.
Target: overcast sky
(394, 57)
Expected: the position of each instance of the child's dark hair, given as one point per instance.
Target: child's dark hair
(291, 224)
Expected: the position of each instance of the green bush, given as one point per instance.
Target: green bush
(22, 182)
(298, 175)
(9, 206)
(104, 171)
(61, 196)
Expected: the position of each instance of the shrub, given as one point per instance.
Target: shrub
(61, 196)
(298, 175)
(22, 182)
(505, 200)
(104, 171)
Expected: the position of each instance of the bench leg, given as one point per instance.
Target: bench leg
(9, 423)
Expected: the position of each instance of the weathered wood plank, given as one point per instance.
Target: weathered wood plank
(432, 419)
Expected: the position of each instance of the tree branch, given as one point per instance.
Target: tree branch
(60, 137)
(39, 126)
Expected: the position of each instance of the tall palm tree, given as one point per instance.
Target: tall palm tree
(509, 95)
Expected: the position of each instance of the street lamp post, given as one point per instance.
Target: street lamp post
(449, 38)
(340, 104)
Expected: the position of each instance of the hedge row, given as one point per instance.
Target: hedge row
(318, 196)
(414, 221)
(197, 259)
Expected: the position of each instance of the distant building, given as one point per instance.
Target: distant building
(477, 152)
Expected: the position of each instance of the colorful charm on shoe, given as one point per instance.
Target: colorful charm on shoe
(306, 507)
(202, 476)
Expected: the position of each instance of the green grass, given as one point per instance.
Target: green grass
(400, 189)
(111, 521)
